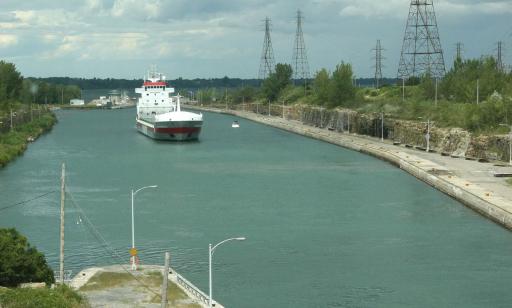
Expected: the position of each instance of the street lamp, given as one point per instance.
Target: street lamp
(509, 144)
(133, 251)
(210, 253)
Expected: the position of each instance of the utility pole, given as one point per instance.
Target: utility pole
(62, 201)
(378, 63)
(12, 127)
(269, 108)
(165, 275)
(62, 96)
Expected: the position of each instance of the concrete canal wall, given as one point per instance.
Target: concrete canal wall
(488, 195)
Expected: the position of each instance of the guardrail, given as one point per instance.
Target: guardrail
(193, 290)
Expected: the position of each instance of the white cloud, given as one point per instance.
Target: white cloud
(400, 8)
(141, 10)
(371, 8)
(7, 40)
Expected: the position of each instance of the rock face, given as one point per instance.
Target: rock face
(453, 141)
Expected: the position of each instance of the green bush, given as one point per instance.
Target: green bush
(20, 262)
(61, 296)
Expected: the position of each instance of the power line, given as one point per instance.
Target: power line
(27, 201)
(104, 244)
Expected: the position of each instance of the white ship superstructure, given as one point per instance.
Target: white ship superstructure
(159, 114)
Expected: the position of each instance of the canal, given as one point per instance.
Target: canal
(325, 226)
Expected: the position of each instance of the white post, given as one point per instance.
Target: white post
(133, 252)
(436, 90)
(283, 110)
(210, 253)
(269, 108)
(403, 89)
(428, 135)
(134, 266)
(11, 121)
(62, 201)
(348, 122)
(510, 147)
(382, 126)
(210, 275)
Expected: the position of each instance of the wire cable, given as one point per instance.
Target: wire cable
(27, 201)
(104, 244)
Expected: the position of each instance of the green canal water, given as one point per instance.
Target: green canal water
(325, 227)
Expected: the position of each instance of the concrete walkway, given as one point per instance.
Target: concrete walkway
(471, 182)
(139, 292)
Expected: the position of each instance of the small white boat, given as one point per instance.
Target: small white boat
(235, 124)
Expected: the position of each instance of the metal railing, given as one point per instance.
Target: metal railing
(193, 290)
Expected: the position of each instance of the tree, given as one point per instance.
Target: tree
(20, 262)
(341, 88)
(11, 82)
(277, 81)
(428, 85)
(321, 86)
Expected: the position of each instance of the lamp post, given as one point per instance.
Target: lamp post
(133, 251)
(509, 144)
(210, 253)
(427, 136)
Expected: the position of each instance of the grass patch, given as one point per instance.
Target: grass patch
(509, 182)
(105, 280)
(61, 296)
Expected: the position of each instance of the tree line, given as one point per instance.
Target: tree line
(14, 89)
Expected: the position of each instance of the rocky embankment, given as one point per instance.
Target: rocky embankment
(450, 141)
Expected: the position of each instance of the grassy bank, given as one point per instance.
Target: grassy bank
(13, 144)
(61, 296)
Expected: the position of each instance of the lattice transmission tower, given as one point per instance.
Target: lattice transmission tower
(459, 47)
(500, 64)
(267, 63)
(300, 58)
(378, 63)
(421, 49)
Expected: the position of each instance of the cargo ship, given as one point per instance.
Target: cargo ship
(159, 114)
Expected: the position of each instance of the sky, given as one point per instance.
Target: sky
(216, 38)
